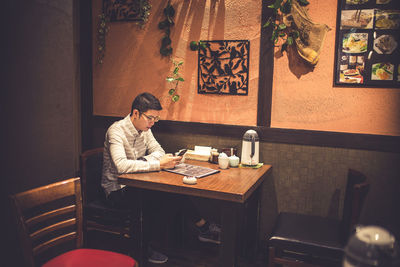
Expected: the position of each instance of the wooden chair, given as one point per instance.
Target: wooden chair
(98, 216)
(306, 240)
(49, 220)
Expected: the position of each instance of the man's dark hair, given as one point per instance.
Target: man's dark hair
(144, 102)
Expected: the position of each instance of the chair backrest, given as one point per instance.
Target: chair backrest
(91, 171)
(48, 217)
(356, 191)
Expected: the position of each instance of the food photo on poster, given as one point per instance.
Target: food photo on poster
(367, 38)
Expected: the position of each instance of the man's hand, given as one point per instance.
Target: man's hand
(168, 161)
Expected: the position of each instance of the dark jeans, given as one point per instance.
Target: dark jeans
(159, 210)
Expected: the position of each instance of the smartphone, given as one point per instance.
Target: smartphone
(182, 152)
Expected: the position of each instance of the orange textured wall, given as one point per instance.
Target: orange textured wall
(302, 98)
(306, 99)
(133, 64)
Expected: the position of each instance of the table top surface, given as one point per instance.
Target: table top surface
(233, 184)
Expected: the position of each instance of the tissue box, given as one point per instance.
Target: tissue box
(197, 155)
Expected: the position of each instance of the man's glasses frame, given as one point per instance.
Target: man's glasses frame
(151, 118)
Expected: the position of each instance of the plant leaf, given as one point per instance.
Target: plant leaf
(175, 98)
(303, 2)
(169, 11)
(286, 7)
(163, 24)
(284, 47)
(274, 35)
(165, 41)
(166, 51)
(266, 24)
(276, 5)
(295, 34)
(289, 40)
(171, 91)
(194, 46)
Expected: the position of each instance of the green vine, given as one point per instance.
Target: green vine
(165, 25)
(175, 78)
(102, 30)
(281, 31)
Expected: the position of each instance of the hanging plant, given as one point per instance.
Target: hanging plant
(175, 78)
(281, 31)
(195, 46)
(165, 25)
(102, 30)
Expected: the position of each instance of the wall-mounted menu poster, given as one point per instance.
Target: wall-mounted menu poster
(367, 43)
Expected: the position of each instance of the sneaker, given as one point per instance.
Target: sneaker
(157, 257)
(211, 235)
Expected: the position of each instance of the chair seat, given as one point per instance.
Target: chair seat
(99, 211)
(100, 205)
(91, 258)
(309, 235)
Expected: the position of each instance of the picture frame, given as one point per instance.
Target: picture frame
(123, 11)
(223, 67)
(367, 49)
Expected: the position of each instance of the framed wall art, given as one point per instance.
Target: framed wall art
(367, 43)
(223, 67)
(126, 10)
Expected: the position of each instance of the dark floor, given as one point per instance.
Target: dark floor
(187, 253)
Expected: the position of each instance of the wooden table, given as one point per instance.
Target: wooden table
(233, 187)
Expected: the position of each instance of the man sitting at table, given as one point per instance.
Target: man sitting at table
(131, 147)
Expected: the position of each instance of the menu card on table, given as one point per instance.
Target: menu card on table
(192, 170)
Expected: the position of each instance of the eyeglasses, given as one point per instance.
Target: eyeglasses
(152, 118)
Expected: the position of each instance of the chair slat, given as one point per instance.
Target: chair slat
(51, 214)
(54, 242)
(52, 228)
(39, 196)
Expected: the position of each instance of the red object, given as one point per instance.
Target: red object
(91, 258)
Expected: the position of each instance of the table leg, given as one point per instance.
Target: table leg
(139, 239)
(251, 226)
(230, 224)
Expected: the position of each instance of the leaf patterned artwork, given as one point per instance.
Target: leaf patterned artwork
(223, 67)
(125, 10)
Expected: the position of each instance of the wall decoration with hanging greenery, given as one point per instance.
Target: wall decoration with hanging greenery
(165, 25)
(281, 31)
(291, 24)
(117, 10)
(127, 10)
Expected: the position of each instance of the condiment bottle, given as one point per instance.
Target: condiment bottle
(360, 63)
(352, 62)
(344, 62)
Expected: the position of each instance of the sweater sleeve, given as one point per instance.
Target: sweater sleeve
(154, 149)
(120, 160)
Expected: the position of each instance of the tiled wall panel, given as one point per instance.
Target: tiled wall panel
(311, 180)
